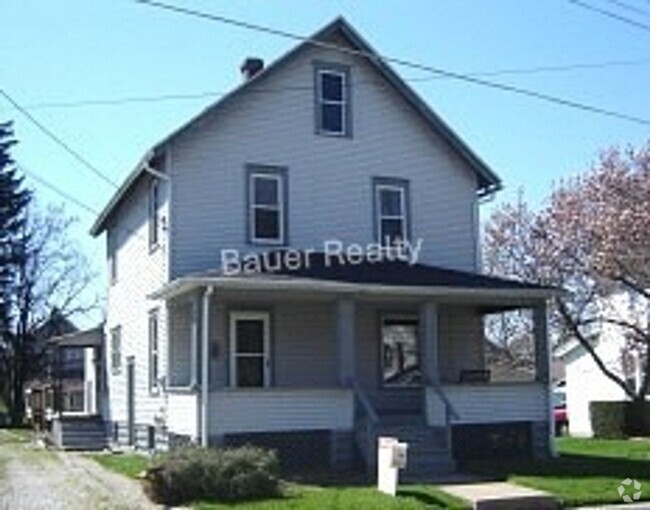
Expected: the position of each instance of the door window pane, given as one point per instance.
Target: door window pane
(250, 371)
(250, 337)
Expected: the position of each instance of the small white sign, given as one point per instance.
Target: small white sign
(391, 457)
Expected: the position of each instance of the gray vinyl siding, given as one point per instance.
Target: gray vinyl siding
(461, 341)
(330, 178)
(304, 350)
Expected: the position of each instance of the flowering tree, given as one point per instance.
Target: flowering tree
(593, 240)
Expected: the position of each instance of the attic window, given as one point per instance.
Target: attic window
(332, 100)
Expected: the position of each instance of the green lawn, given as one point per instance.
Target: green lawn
(311, 497)
(130, 465)
(587, 471)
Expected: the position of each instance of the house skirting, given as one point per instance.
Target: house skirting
(145, 436)
(502, 440)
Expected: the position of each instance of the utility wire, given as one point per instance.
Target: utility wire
(55, 138)
(630, 7)
(399, 61)
(609, 14)
(117, 101)
(56, 189)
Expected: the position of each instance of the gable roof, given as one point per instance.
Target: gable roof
(488, 181)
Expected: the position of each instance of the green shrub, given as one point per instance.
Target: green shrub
(608, 419)
(192, 474)
(637, 418)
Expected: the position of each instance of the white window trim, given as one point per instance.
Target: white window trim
(343, 103)
(253, 207)
(403, 216)
(233, 355)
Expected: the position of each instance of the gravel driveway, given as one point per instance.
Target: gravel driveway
(32, 478)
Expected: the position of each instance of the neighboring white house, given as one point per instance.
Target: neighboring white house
(318, 353)
(585, 381)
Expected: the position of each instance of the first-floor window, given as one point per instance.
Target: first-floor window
(400, 351)
(116, 350)
(154, 358)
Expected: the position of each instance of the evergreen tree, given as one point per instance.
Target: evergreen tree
(13, 208)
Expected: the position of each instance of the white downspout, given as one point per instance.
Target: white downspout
(205, 365)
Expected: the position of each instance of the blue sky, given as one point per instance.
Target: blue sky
(59, 52)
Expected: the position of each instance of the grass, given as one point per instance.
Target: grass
(130, 465)
(15, 435)
(309, 497)
(587, 471)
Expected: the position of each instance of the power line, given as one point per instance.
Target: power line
(117, 101)
(56, 189)
(609, 14)
(58, 140)
(400, 61)
(630, 7)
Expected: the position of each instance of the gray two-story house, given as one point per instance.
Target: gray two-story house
(298, 267)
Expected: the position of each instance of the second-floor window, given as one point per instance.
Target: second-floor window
(111, 248)
(267, 206)
(332, 100)
(154, 357)
(391, 211)
(154, 223)
(116, 350)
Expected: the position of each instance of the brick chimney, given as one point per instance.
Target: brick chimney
(251, 67)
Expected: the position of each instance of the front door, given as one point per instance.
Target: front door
(249, 349)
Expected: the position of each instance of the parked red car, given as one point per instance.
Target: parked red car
(559, 412)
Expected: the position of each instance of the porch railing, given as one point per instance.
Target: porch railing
(366, 424)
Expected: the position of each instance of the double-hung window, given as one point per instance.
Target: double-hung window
(116, 350)
(154, 357)
(332, 100)
(154, 203)
(111, 248)
(267, 205)
(391, 211)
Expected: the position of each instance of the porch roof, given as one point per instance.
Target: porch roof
(390, 277)
(87, 338)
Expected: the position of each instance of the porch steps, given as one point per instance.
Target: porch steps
(80, 433)
(428, 451)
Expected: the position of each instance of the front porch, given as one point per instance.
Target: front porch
(290, 361)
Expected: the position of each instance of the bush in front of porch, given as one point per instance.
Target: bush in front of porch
(231, 474)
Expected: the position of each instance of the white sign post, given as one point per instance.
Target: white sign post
(391, 457)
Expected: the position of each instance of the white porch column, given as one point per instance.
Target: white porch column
(194, 341)
(346, 339)
(205, 365)
(429, 334)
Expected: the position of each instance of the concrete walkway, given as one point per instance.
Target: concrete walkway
(501, 496)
